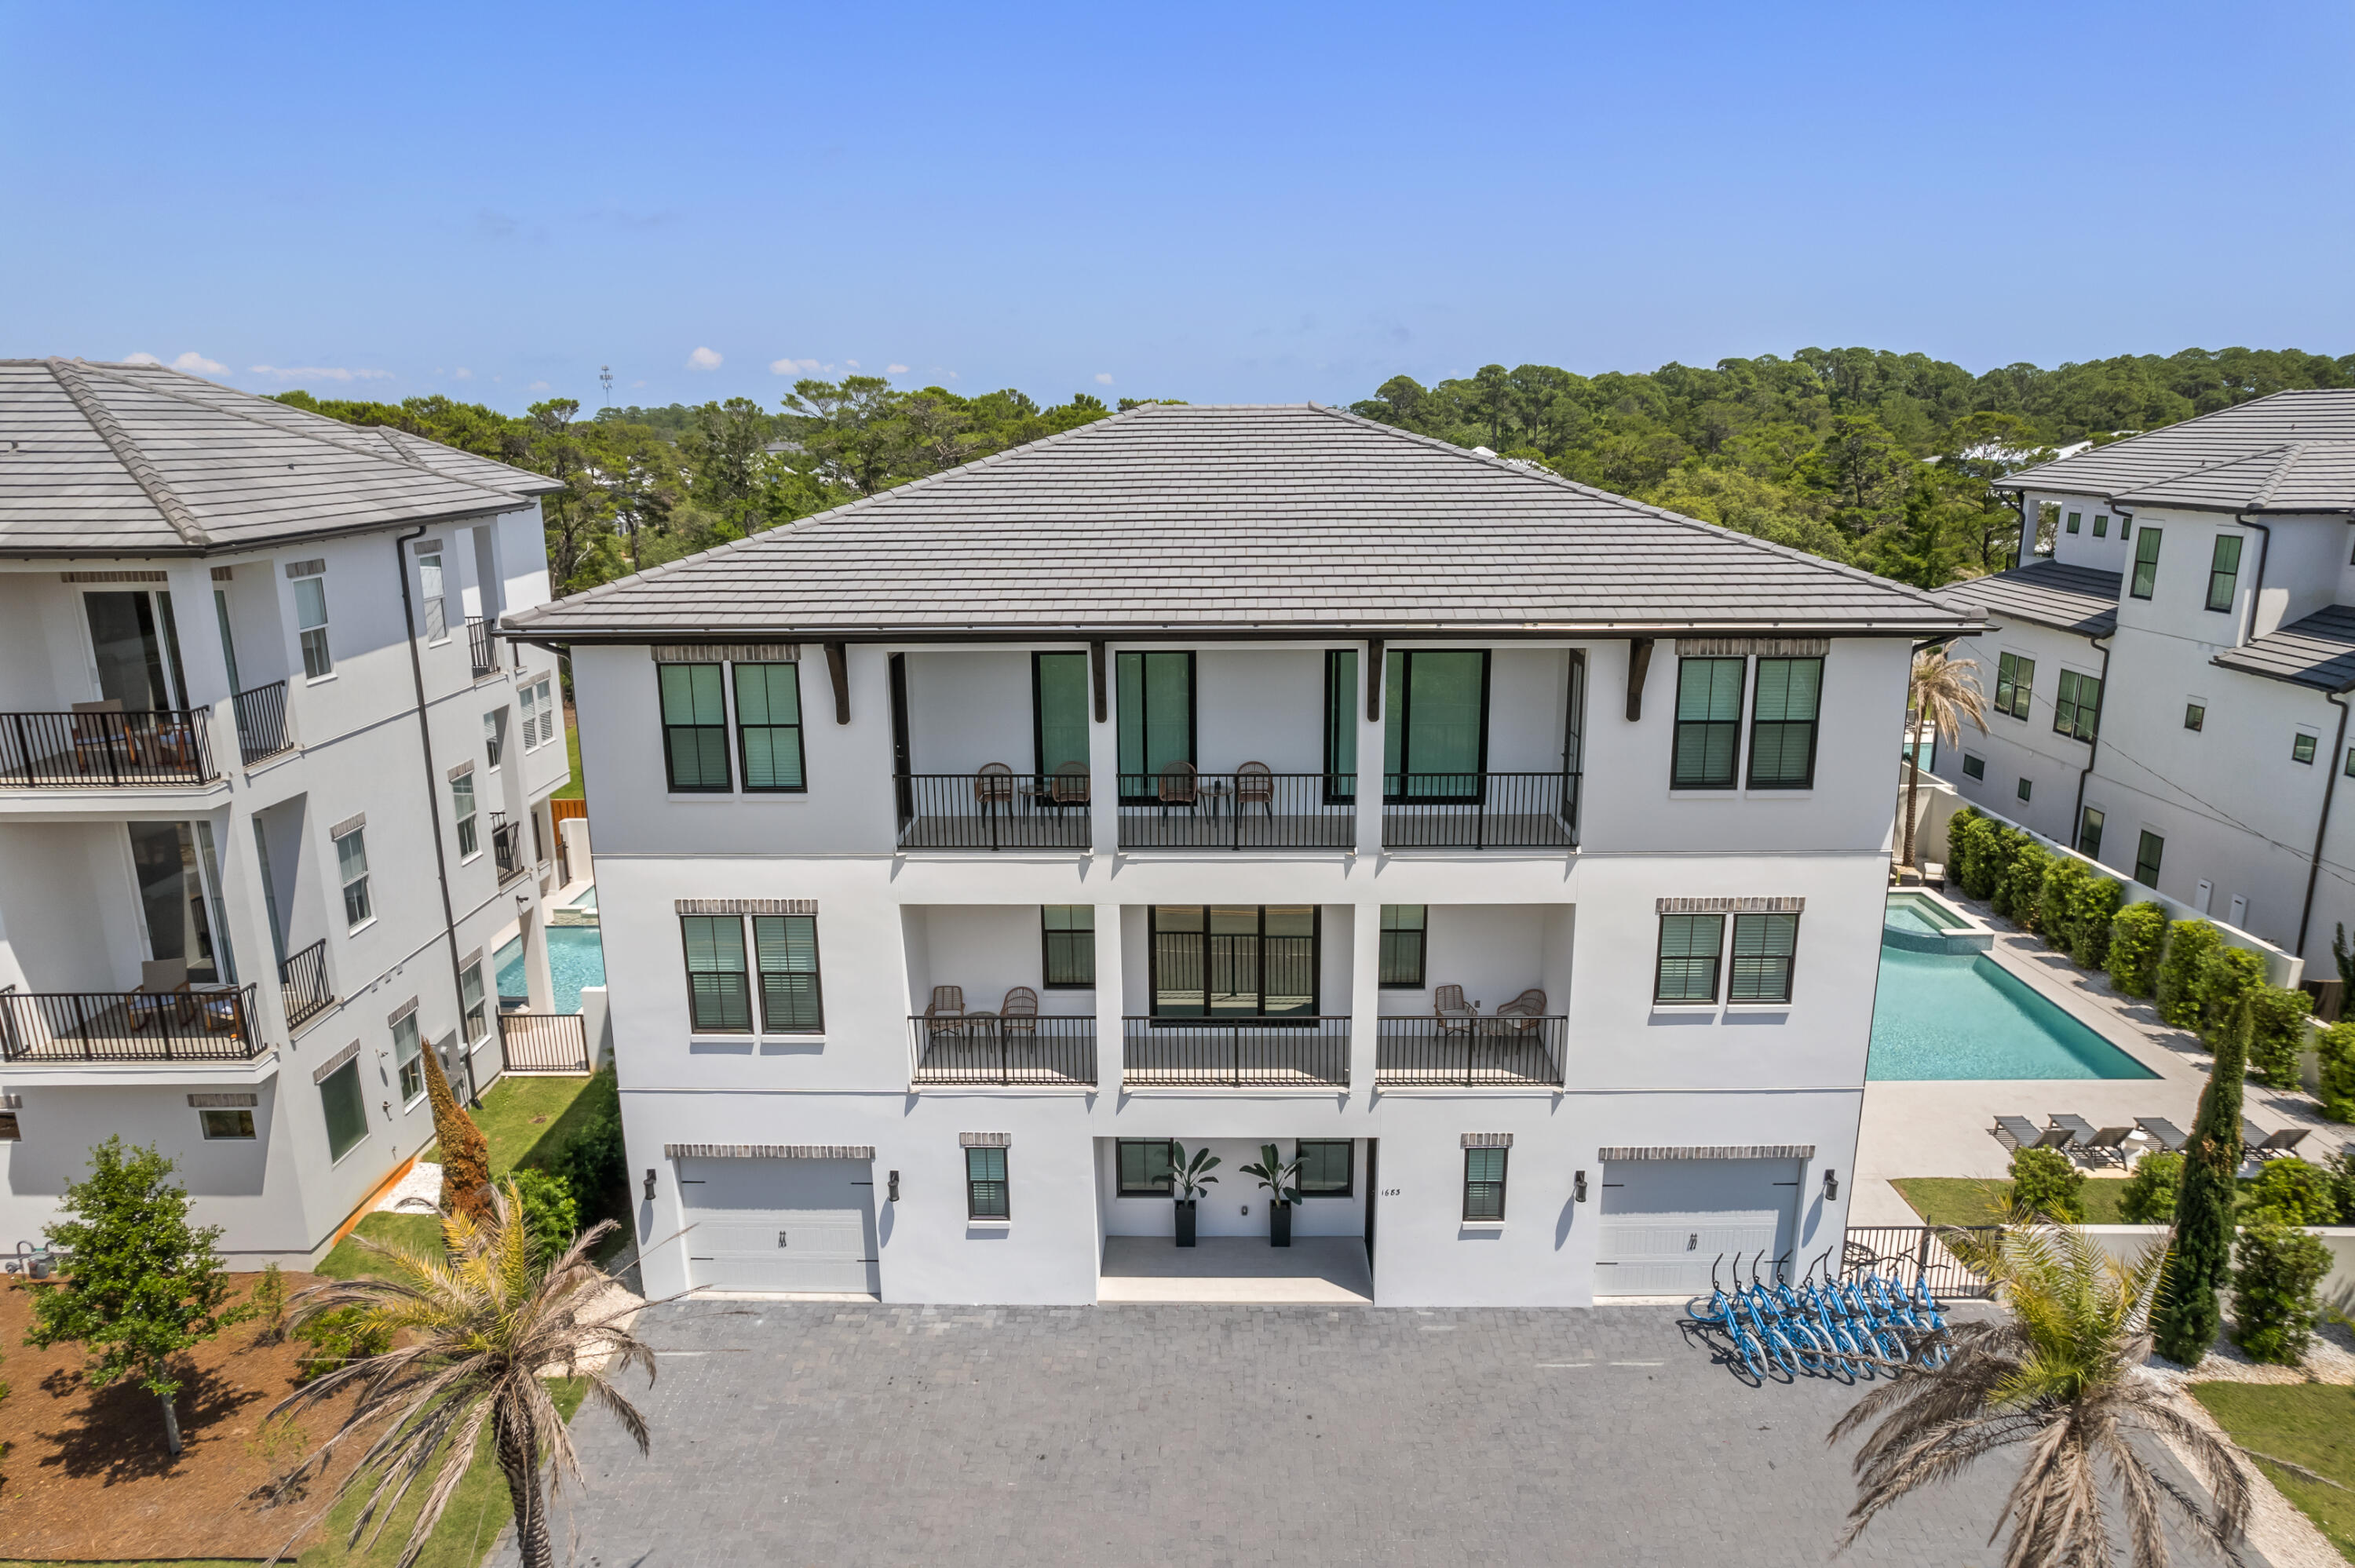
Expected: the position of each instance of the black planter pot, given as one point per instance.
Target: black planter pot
(1279, 1224)
(1184, 1222)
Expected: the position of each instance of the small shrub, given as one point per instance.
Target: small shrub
(593, 1161)
(2023, 884)
(2189, 943)
(2281, 1017)
(270, 1306)
(549, 1213)
(2137, 935)
(351, 1334)
(1985, 857)
(2339, 1169)
(2045, 1182)
(2228, 976)
(2335, 1045)
(2092, 909)
(2275, 1308)
(2148, 1196)
(2293, 1193)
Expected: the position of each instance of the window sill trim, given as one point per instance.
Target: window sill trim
(318, 680)
(356, 930)
(1481, 1224)
(407, 1106)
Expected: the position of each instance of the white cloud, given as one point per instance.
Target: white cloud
(313, 372)
(852, 363)
(461, 373)
(141, 357)
(637, 384)
(703, 359)
(790, 366)
(192, 362)
(537, 387)
(1104, 377)
(896, 369)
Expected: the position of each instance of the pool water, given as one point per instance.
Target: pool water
(1913, 912)
(1961, 1015)
(576, 958)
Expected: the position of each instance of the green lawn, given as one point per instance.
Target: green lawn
(2309, 1424)
(1983, 1200)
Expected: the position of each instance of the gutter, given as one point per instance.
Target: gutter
(561, 637)
(2264, 548)
(433, 811)
(2026, 545)
(2329, 785)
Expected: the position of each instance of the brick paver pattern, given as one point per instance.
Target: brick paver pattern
(1284, 1436)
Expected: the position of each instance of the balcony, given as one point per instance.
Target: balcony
(303, 984)
(1480, 810)
(1296, 1053)
(99, 746)
(481, 646)
(261, 728)
(1179, 809)
(984, 1049)
(992, 808)
(1503, 1051)
(191, 1024)
(506, 845)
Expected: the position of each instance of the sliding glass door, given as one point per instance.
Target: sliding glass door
(1436, 723)
(1156, 719)
(1058, 710)
(136, 649)
(1228, 961)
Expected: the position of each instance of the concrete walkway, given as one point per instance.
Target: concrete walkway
(1940, 1127)
(1327, 1269)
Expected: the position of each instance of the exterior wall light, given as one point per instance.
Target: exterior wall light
(1578, 1188)
(1831, 1186)
(891, 1192)
(650, 1184)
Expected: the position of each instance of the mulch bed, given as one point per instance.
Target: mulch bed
(88, 1475)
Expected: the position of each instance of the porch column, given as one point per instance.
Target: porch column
(1367, 705)
(1364, 994)
(1109, 1006)
(1104, 766)
(196, 626)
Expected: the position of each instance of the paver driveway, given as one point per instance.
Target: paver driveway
(826, 1433)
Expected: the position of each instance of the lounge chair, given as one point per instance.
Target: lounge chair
(1448, 1006)
(2080, 1130)
(2110, 1142)
(944, 1014)
(2014, 1132)
(2280, 1141)
(2170, 1138)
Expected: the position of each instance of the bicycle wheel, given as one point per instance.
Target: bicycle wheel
(1747, 1343)
(1779, 1345)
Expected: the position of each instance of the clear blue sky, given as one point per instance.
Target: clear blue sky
(1253, 202)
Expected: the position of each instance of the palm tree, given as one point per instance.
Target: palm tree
(1945, 691)
(485, 1326)
(2063, 1373)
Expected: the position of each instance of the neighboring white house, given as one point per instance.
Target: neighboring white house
(2167, 691)
(1514, 852)
(223, 844)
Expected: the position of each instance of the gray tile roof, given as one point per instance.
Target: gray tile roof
(2072, 599)
(141, 459)
(1285, 519)
(2319, 652)
(2292, 452)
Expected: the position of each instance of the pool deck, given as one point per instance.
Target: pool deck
(1940, 1127)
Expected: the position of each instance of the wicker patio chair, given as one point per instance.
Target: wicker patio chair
(993, 786)
(1019, 1013)
(163, 983)
(1523, 1014)
(1255, 785)
(1454, 1013)
(944, 1014)
(1178, 786)
(99, 727)
(1068, 787)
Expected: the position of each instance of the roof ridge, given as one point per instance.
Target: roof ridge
(2006, 481)
(1548, 476)
(2290, 452)
(113, 372)
(175, 510)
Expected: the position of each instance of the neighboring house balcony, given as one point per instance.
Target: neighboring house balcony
(156, 1022)
(99, 746)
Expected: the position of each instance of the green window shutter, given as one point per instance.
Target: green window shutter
(719, 998)
(1063, 712)
(347, 1110)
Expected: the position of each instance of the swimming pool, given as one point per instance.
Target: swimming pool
(1962, 1015)
(1920, 912)
(576, 958)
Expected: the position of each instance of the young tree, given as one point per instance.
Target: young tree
(143, 1285)
(1945, 691)
(466, 1152)
(2188, 1317)
(485, 1325)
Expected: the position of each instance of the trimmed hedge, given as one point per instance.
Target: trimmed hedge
(2092, 915)
(2336, 1045)
(2181, 966)
(2136, 936)
(2293, 1193)
(2274, 1307)
(2282, 1015)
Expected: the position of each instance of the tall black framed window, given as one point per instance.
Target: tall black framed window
(787, 946)
(1783, 713)
(1156, 692)
(1068, 933)
(695, 727)
(2077, 706)
(1690, 946)
(2223, 571)
(1234, 961)
(2089, 833)
(1145, 1168)
(719, 991)
(1340, 725)
(1404, 935)
(985, 1184)
(769, 727)
(1325, 1167)
(1058, 710)
(1434, 723)
(2146, 566)
(1484, 1184)
(2015, 679)
(2146, 857)
(1764, 948)
(1708, 722)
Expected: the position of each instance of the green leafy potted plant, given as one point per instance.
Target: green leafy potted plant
(1282, 1178)
(1193, 1178)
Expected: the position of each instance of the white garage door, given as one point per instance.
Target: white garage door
(1665, 1221)
(780, 1224)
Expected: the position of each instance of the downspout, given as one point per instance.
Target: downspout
(2025, 542)
(2264, 548)
(433, 809)
(2093, 746)
(2329, 784)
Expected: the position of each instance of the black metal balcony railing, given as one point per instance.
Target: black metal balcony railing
(544, 1042)
(261, 728)
(1306, 1052)
(1238, 810)
(166, 747)
(481, 646)
(991, 810)
(303, 984)
(1480, 810)
(197, 1024)
(506, 845)
(1506, 1053)
(987, 1049)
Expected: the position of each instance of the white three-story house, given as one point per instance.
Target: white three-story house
(271, 793)
(1509, 854)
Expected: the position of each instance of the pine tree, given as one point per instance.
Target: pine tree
(465, 1154)
(2189, 1316)
(143, 1285)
